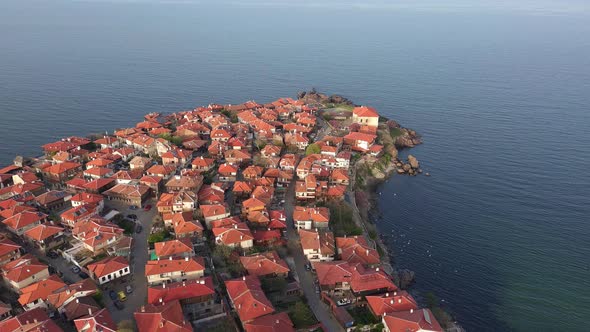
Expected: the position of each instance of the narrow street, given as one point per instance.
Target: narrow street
(139, 257)
(306, 278)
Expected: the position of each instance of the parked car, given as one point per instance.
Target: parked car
(83, 275)
(317, 289)
(132, 207)
(75, 269)
(122, 296)
(129, 289)
(112, 295)
(342, 302)
(119, 305)
(52, 254)
(132, 216)
(308, 266)
(147, 207)
(138, 229)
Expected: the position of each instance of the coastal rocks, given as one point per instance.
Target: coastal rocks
(407, 138)
(314, 97)
(404, 278)
(412, 167)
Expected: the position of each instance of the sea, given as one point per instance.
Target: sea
(499, 91)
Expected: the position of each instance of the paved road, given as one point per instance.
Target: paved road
(139, 257)
(306, 278)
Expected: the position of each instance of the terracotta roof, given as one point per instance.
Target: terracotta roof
(270, 323)
(128, 190)
(80, 307)
(40, 290)
(318, 214)
(24, 219)
(107, 266)
(181, 290)
(264, 264)
(390, 302)
(50, 197)
(61, 168)
(22, 268)
(360, 279)
(87, 198)
(213, 210)
(365, 111)
(356, 136)
(83, 287)
(35, 320)
(7, 246)
(191, 264)
(355, 249)
(248, 298)
(233, 234)
(167, 317)
(322, 242)
(173, 248)
(100, 320)
(42, 232)
(412, 320)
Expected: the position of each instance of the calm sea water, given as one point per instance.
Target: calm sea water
(501, 93)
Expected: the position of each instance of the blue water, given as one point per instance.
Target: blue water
(500, 91)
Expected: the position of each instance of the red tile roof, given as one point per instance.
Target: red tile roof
(42, 232)
(173, 248)
(414, 320)
(40, 290)
(167, 317)
(181, 290)
(233, 234)
(270, 323)
(355, 249)
(22, 268)
(390, 302)
(248, 298)
(360, 279)
(191, 264)
(35, 320)
(107, 266)
(365, 111)
(264, 264)
(24, 219)
(100, 320)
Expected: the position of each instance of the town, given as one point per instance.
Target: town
(221, 218)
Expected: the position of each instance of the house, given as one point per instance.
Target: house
(174, 248)
(99, 320)
(60, 298)
(220, 135)
(248, 299)
(212, 194)
(341, 276)
(166, 317)
(81, 199)
(140, 163)
(9, 251)
(98, 235)
(176, 157)
(62, 171)
(309, 217)
(203, 164)
(252, 204)
(360, 141)
(355, 249)
(45, 236)
(238, 235)
(307, 189)
(108, 142)
(153, 182)
(237, 157)
(128, 194)
(184, 201)
(270, 323)
(270, 150)
(184, 183)
(227, 172)
(22, 222)
(214, 212)
(77, 214)
(35, 295)
(252, 172)
(267, 264)
(365, 116)
(185, 226)
(412, 320)
(162, 171)
(128, 177)
(339, 176)
(53, 200)
(34, 320)
(197, 297)
(174, 270)
(241, 189)
(317, 247)
(391, 302)
(24, 271)
(109, 269)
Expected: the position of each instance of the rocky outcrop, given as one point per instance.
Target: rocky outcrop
(404, 278)
(314, 97)
(413, 162)
(412, 167)
(407, 139)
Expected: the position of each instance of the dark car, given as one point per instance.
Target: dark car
(132, 207)
(132, 216)
(147, 207)
(119, 305)
(52, 254)
(113, 295)
(83, 275)
(138, 229)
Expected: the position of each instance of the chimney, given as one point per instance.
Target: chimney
(162, 323)
(186, 259)
(236, 226)
(411, 311)
(367, 252)
(160, 300)
(170, 258)
(89, 311)
(77, 300)
(394, 293)
(399, 301)
(35, 320)
(183, 284)
(386, 294)
(244, 278)
(391, 302)
(377, 269)
(163, 285)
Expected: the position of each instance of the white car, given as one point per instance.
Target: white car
(342, 302)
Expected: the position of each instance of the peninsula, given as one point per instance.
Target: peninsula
(244, 217)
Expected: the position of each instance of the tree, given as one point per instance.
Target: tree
(301, 315)
(313, 148)
(126, 326)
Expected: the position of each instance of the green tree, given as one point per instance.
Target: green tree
(126, 326)
(301, 315)
(313, 148)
